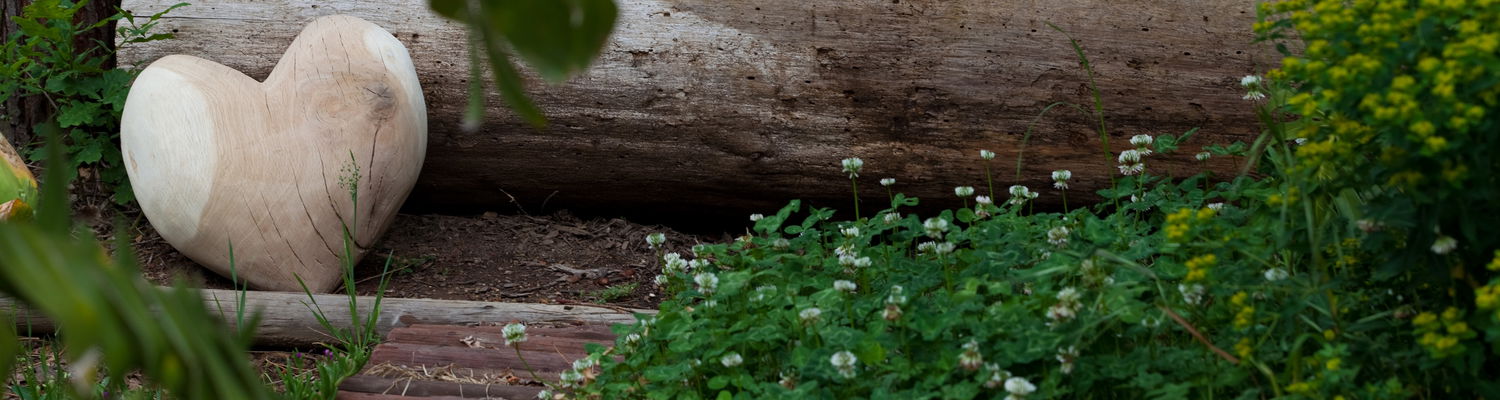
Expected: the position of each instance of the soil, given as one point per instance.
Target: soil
(491, 257)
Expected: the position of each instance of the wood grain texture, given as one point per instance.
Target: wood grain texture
(286, 320)
(408, 388)
(705, 106)
(253, 176)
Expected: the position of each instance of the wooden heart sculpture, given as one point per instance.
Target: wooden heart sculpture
(218, 159)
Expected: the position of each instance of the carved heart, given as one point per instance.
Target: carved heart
(217, 158)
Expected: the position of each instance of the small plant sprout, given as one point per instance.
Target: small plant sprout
(1067, 356)
(1203, 156)
(731, 360)
(852, 166)
(844, 286)
(757, 217)
(1276, 274)
(1018, 387)
(1142, 144)
(988, 180)
(970, 359)
(707, 282)
(1254, 89)
(1444, 245)
(1058, 236)
(844, 362)
(1130, 163)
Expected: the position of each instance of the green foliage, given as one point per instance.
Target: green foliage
(107, 314)
(613, 293)
(557, 37)
(1326, 277)
(45, 58)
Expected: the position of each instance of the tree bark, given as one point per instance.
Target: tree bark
(709, 107)
(287, 320)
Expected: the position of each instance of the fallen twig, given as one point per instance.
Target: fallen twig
(1194, 331)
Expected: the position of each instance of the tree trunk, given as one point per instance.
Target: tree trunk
(19, 114)
(287, 320)
(705, 106)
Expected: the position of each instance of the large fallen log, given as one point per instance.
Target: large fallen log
(287, 320)
(740, 105)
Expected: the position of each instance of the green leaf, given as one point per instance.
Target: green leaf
(558, 37)
(76, 114)
(718, 382)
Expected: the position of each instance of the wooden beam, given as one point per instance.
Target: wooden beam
(286, 319)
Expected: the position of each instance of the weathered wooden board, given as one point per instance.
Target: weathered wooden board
(741, 105)
(286, 319)
(433, 361)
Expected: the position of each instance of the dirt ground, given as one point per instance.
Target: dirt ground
(491, 257)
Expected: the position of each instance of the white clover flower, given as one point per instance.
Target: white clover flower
(1130, 162)
(846, 260)
(844, 286)
(852, 166)
(757, 217)
(731, 360)
(1069, 295)
(1203, 156)
(514, 333)
(1250, 81)
(1019, 386)
(891, 313)
(850, 232)
(1060, 178)
(1020, 194)
(1367, 225)
(862, 262)
(1058, 236)
(662, 280)
(810, 315)
(971, 359)
(699, 250)
(544, 394)
(1276, 274)
(1216, 206)
(583, 364)
(788, 381)
(926, 247)
(1018, 190)
(1087, 266)
(944, 247)
(935, 227)
(844, 361)
(1254, 95)
(1300, 141)
(1067, 356)
(781, 244)
(896, 297)
(697, 264)
(986, 154)
(892, 217)
(707, 282)
(964, 191)
(632, 338)
(1191, 294)
(570, 378)
(997, 376)
(887, 182)
(1141, 141)
(1061, 312)
(655, 240)
(673, 263)
(1444, 244)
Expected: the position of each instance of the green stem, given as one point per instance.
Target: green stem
(855, 184)
(989, 180)
(1065, 201)
(517, 347)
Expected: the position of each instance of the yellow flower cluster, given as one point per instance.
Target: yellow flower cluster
(1413, 72)
(1246, 314)
(1442, 338)
(1244, 349)
(1179, 223)
(1277, 199)
(1198, 267)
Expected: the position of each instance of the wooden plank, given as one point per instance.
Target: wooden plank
(287, 322)
(547, 361)
(377, 396)
(449, 335)
(417, 388)
(744, 104)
